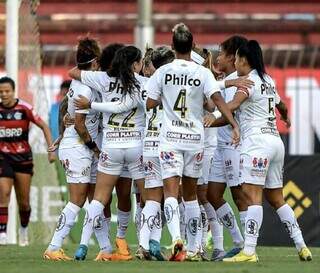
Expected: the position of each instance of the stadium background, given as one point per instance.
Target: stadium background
(289, 32)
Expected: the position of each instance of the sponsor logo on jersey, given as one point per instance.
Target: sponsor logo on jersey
(181, 136)
(181, 80)
(127, 135)
(10, 132)
(17, 115)
(259, 167)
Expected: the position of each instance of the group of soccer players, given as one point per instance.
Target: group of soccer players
(158, 114)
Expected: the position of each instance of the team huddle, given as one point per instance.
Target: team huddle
(180, 128)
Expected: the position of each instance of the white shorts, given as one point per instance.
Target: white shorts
(125, 172)
(113, 161)
(207, 162)
(79, 164)
(180, 163)
(225, 166)
(262, 159)
(152, 172)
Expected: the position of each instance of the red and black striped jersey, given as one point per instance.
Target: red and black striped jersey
(14, 131)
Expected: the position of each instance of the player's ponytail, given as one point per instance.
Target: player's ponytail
(122, 68)
(253, 54)
(88, 51)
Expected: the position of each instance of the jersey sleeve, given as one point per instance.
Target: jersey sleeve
(153, 86)
(210, 85)
(97, 80)
(32, 115)
(119, 106)
(86, 92)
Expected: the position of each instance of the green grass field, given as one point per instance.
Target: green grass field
(272, 260)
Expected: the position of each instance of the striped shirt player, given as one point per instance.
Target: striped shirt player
(15, 150)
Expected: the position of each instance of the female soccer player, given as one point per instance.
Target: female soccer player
(79, 153)
(262, 152)
(16, 164)
(181, 86)
(122, 139)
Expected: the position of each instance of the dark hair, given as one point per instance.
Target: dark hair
(8, 80)
(147, 56)
(108, 54)
(231, 45)
(253, 53)
(161, 56)
(88, 50)
(65, 84)
(182, 39)
(121, 68)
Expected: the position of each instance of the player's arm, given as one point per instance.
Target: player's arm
(116, 107)
(153, 88)
(80, 127)
(239, 97)
(241, 82)
(283, 110)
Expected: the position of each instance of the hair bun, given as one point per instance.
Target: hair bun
(181, 27)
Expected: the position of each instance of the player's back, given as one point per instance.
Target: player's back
(183, 89)
(70, 135)
(257, 114)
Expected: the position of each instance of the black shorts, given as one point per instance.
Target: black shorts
(9, 168)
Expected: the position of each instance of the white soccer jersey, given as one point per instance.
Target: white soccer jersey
(257, 114)
(181, 86)
(210, 137)
(70, 135)
(224, 134)
(121, 130)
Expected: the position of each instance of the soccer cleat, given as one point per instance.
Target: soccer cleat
(204, 256)
(241, 257)
(305, 254)
(122, 247)
(118, 257)
(3, 239)
(155, 251)
(193, 256)
(23, 236)
(232, 252)
(217, 255)
(143, 254)
(103, 257)
(178, 253)
(57, 255)
(81, 253)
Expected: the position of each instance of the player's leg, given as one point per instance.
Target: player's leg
(22, 185)
(193, 162)
(75, 161)
(274, 195)
(254, 164)
(204, 224)
(231, 160)
(123, 190)
(216, 188)
(171, 163)
(6, 183)
(151, 221)
(109, 168)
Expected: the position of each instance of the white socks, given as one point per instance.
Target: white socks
(216, 227)
(226, 216)
(253, 224)
(243, 215)
(102, 235)
(204, 226)
(171, 211)
(182, 220)
(192, 215)
(65, 223)
(149, 222)
(123, 222)
(289, 220)
(93, 221)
